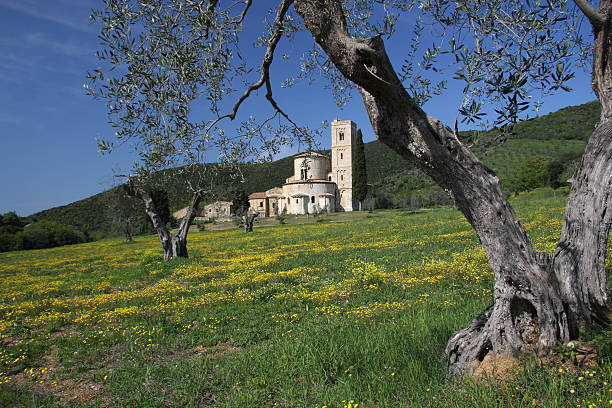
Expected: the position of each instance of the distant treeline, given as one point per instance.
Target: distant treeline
(17, 234)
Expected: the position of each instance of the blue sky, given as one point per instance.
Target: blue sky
(48, 126)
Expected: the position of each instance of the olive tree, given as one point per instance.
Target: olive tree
(163, 56)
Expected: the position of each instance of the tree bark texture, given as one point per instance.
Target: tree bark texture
(579, 259)
(173, 244)
(529, 310)
(248, 221)
(128, 230)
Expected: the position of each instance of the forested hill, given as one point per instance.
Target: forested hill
(570, 123)
(392, 177)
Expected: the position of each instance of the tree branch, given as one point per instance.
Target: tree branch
(212, 4)
(244, 11)
(589, 11)
(191, 213)
(135, 190)
(265, 68)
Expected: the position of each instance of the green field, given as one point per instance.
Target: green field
(335, 313)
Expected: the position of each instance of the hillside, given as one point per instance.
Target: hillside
(570, 123)
(396, 182)
(555, 134)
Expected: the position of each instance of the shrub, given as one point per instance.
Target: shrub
(533, 173)
(201, 224)
(60, 234)
(43, 234)
(553, 174)
(366, 273)
(9, 229)
(33, 238)
(8, 242)
(174, 222)
(11, 218)
(10, 223)
(151, 256)
(382, 200)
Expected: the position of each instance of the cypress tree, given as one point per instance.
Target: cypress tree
(360, 179)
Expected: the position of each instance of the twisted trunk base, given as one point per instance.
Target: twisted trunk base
(248, 221)
(128, 230)
(527, 316)
(512, 326)
(173, 244)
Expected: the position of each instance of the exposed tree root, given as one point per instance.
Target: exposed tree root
(468, 347)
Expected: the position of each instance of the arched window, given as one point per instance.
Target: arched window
(341, 156)
(341, 135)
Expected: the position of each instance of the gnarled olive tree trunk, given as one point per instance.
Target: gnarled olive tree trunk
(579, 259)
(128, 230)
(537, 302)
(248, 221)
(173, 244)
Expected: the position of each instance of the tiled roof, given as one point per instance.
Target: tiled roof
(254, 196)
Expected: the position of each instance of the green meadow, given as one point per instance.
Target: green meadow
(345, 310)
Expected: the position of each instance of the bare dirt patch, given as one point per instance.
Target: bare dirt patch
(51, 378)
(65, 332)
(499, 367)
(573, 357)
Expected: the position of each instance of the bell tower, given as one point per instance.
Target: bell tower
(342, 142)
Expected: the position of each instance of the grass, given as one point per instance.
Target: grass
(335, 313)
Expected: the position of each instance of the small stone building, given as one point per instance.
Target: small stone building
(259, 203)
(179, 214)
(219, 211)
(266, 203)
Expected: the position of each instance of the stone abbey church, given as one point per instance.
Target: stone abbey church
(318, 182)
